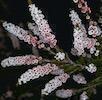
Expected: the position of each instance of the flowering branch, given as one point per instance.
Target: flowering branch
(59, 64)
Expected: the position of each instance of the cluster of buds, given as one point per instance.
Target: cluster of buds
(84, 96)
(45, 31)
(83, 6)
(21, 60)
(91, 68)
(79, 79)
(60, 56)
(55, 83)
(64, 93)
(36, 72)
(20, 33)
(94, 30)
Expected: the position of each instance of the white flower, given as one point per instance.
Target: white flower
(45, 35)
(20, 33)
(79, 79)
(91, 68)
(92, 50)
(20, 60)
(36, 72)
(75, 1)
(84, 96)
(60, 56)
(74, 17)
(94, 30)
(64, 93)
(81, 40)
(55, 83)
(97, 53)
(97, 43)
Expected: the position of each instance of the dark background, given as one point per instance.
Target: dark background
(57, 13)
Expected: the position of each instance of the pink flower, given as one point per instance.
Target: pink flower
(91, 43)
(41, 46)
(79, 5)
(45, 35)
(84, 9)
(82, 1)
(55, 83)
(21, 60)
(36, 72)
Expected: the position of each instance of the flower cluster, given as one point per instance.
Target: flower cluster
(83, 6)
(60, 56)
(74, 18)
(81, 40)
(84, 96)
(91, 68)
(21, 60)
(43, 26)
(78, 32)
(55, 83)
(64, 93)
(93, 29)
(36, 72)
(79, 79)
(20, 33)
(84, 43)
